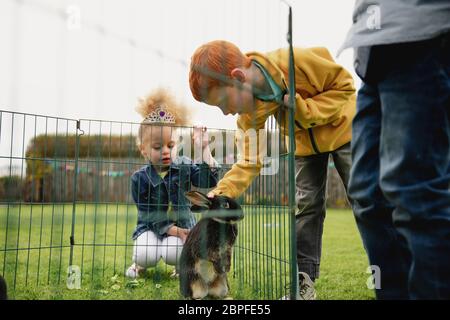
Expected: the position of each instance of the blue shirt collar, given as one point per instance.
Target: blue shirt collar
(154, 177)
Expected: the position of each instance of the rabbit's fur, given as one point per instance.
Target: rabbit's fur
(206, 256)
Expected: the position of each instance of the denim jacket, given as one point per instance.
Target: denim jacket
(152, 195)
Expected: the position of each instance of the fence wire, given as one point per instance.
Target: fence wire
(66, 210)
(67, 213)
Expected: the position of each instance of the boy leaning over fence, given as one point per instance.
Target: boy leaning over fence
(254, 86)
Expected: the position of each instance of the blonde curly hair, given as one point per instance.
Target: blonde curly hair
(157, 98)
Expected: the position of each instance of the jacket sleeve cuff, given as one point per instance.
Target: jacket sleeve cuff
(226, 190)
(162, 230)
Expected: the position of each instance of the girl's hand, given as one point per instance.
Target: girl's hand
(182, 234)
(178, 232)
(200, 137)
(201, 140)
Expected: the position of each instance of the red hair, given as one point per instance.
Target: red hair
(211, 66)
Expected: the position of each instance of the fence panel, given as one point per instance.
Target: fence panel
(35, 220)
(40, 212)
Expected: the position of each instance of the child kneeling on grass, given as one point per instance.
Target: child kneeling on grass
(164, 216)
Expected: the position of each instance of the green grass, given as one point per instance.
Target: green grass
(35, 253)
(344, 261)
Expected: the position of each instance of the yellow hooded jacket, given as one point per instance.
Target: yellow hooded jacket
(325, 107)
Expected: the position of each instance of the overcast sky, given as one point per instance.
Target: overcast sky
(94, 58)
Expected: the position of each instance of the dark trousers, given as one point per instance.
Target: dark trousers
(311, 182)
(400, 178)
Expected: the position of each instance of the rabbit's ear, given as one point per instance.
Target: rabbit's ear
(198, 199)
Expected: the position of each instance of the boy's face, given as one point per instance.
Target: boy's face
(232, 99)
(158, 145)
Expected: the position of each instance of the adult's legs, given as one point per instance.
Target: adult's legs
(415, 158)
(373, 213)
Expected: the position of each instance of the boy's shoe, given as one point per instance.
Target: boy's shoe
(306, 289)
(135, 271)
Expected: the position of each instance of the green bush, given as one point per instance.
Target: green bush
(11, 188)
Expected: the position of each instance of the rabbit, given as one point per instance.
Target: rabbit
(206, 256)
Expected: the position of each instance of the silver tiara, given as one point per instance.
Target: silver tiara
(160, 115)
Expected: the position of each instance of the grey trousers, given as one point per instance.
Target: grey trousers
(311, 182)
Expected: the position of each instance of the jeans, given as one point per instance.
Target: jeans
(400, 178)
(311, 181)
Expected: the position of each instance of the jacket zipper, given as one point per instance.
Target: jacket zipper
(311, 137)
(313, 141)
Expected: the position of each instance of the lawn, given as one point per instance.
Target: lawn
(35, 254)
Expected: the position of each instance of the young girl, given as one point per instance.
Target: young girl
(164, 217)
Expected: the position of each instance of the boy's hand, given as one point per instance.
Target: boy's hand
(200, 137)
(286, 98)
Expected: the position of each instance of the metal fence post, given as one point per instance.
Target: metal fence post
(74, 199)
(291, 163)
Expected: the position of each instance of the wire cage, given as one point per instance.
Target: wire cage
(67, 214)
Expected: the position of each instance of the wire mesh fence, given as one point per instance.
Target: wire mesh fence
(67, 213)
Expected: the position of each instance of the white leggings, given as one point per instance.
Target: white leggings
(148, 250)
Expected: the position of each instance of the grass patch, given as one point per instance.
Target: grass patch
(344, 261)
(35, 254)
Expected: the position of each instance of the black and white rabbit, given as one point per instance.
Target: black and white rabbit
(206, 256)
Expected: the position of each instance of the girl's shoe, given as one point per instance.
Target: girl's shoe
(135, 271)
(174, 274)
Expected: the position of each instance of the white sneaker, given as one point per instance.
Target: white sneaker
(174, 274)
(306, 289)
(135, 271)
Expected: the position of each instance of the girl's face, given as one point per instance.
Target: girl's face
(158, 145)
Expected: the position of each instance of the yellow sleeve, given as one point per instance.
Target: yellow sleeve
(326, 86)
(250, 152)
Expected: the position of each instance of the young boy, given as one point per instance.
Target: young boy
(254, 86)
